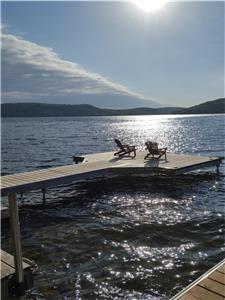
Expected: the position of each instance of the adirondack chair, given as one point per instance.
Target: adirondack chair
(153, 150)
(124, 149)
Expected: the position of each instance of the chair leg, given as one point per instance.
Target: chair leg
(161, 155)
(146, 156)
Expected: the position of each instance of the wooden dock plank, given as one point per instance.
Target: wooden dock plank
(6, 270)
(188, 297)
(218, 276)
(221, 269)
(8, 259)
(213, 286)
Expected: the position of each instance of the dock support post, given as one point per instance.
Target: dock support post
(217, 169)
(43, 195)
(16, 239)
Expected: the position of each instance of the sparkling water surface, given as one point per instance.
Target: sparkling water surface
(119, 237)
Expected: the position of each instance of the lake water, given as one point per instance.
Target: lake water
(117, 238)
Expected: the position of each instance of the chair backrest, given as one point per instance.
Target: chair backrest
(119, 144)
(155, 146)
(152, 147)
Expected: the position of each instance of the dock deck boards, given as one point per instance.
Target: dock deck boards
(210, 286)
(100, 164)
(8, 272)
(7, 264)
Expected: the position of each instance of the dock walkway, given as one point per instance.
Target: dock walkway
(210, 286)
(101, 163)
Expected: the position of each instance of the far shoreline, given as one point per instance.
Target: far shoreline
(99, 116)
(86, 110)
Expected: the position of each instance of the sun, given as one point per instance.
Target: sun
(149, 5)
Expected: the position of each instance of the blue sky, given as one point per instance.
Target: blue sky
(173, 56)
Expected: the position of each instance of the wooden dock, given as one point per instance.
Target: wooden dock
(210, 286)
(94, 165)
(8, 275)
(101, 164)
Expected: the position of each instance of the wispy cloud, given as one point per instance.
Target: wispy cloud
(31, 72)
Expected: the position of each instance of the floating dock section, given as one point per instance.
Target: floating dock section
(93, 165)
(210, 286)
(8, 282)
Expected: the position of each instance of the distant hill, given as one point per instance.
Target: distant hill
(66, 110)
(210, 107)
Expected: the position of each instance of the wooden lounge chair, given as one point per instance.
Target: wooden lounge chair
(124, 149)
(153, 150)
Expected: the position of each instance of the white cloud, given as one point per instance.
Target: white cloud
(34, 73)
